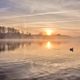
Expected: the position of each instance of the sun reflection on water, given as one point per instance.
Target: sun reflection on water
(49, 45)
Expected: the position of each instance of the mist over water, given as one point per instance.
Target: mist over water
(42, 60)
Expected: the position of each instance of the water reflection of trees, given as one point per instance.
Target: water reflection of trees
(7, 46)
(10, 46)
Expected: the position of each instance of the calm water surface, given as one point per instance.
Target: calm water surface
(31, 59)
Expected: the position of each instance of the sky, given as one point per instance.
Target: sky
(59, 14)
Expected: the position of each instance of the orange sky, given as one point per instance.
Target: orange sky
(62, 15)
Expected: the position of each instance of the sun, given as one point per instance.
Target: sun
(49, 32)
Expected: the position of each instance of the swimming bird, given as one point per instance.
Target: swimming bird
(72, 49)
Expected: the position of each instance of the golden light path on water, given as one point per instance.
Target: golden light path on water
(49, 45)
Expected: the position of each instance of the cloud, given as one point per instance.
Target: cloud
(35, 11)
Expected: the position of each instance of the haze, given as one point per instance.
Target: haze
(62, 15)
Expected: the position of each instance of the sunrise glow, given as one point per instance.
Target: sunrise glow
(49, 32)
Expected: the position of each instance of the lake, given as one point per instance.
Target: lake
(40, 60)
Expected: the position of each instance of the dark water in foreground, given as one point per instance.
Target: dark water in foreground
(40, 60)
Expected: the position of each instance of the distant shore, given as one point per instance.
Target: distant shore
(32, 40)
